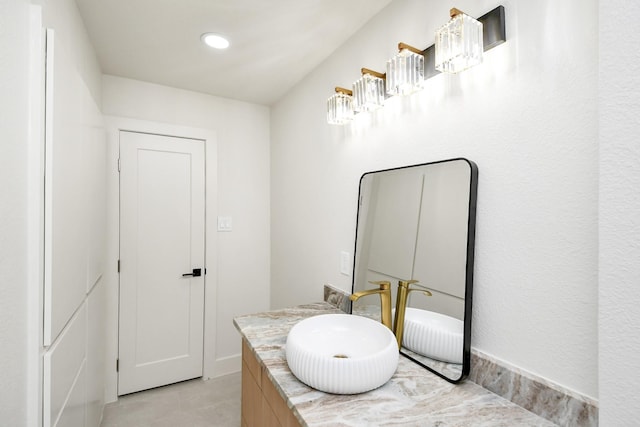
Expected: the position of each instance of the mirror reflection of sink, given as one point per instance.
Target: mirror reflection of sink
(434, 335)
(341, 353)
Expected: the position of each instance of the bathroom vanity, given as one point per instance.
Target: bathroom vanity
(262, 404)
(273, 396)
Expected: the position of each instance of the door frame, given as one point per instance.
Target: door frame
(114, 125)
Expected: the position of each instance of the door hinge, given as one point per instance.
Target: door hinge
(118, 266)
(117, 365)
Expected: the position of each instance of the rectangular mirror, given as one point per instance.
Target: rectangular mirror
(416, 226)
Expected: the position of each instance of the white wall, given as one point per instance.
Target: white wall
(63, 16)
(242, 134)
(527, 116)
(619, 216)
(14, 125)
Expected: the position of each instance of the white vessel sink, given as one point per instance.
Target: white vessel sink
(433, 335)
(342, 353)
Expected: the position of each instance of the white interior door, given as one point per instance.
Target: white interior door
(162, 237)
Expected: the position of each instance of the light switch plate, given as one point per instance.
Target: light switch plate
(225, 223)
(345, 263)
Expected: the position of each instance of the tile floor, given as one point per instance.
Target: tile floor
(194, 403)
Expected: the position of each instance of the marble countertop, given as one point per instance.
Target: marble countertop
(412, 397)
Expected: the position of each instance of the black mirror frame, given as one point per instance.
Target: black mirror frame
(471, 233)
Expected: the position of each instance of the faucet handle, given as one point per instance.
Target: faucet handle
(384, 284)
(406, 283)
(418, 287)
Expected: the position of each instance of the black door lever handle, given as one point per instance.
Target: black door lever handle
(197, 272)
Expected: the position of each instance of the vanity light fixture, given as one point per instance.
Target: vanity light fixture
(340, 107)
(405, 71)
(215, 41)
(459, 43)
(368, 91)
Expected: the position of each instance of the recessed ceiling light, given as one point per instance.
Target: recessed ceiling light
(216, 41)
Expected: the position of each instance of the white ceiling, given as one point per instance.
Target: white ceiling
(274, 43)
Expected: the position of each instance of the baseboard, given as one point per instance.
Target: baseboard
(227, 365)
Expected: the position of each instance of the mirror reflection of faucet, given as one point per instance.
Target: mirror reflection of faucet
(404, 288)
(384, 290)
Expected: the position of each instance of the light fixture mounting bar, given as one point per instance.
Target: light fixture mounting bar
(493, 34)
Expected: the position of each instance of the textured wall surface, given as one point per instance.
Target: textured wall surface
(619, 215)
(14, 116)
(527, 117)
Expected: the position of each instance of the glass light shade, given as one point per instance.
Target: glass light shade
(339, 109)
(405, 73)
(459, 44)
(368, 93)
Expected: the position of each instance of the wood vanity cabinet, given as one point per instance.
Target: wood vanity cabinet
(262, 405)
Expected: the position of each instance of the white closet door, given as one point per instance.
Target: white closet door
(64, 373)
(66, 190)
(162, 237)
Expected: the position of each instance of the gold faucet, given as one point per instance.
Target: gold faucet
(404, 287)
(385, 300)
